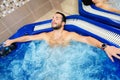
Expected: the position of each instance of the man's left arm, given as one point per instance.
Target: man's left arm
(110, 50)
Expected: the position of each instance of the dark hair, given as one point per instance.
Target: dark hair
(87, 2)
(63, 16)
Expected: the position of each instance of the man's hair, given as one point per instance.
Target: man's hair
(87, 2)
(63, 16)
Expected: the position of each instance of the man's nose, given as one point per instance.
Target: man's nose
(53, 19)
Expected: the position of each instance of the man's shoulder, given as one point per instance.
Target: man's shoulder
(47, 34)
(66, 31)
(44, 34)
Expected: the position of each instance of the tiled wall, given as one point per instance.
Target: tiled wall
(28, 13)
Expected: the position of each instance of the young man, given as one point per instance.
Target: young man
(61, 37)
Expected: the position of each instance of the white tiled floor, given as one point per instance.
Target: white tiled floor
(47, 15)
(68, 7)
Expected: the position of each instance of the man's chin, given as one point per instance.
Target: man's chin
(56, 28)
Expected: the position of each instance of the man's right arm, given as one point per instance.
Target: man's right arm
(25, 39)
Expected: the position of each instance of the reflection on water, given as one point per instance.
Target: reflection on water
(77, 61)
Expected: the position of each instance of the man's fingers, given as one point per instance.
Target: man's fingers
(117, 56)
(4, 44)
(119, 51)
(110, 57)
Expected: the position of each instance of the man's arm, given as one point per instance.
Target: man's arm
(110, 50)
(25, 39)
(86, 39)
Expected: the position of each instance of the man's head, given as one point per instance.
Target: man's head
(87, 2)
(58, 20)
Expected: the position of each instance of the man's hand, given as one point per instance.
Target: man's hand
(8, 42)
(112, 51)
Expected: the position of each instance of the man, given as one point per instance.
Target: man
(61, 37)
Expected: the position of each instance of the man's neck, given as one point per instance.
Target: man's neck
(57, 33)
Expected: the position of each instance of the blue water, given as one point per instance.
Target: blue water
(78, 61)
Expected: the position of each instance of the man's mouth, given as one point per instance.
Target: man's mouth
(54, 23)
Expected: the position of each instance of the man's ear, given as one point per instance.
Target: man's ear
(63, 23)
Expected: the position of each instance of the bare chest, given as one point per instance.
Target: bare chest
(63, 40)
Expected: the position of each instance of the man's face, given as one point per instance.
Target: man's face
(57, 21)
